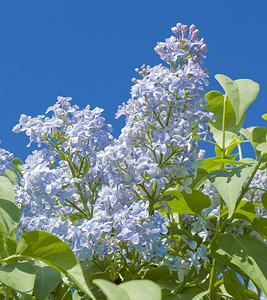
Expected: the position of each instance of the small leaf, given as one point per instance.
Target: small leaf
(256, 135)
(241, 92)
(46, 280)
(62, 155)
(247, 253)
(229, 182)
(262, 147)
(48, 248)
(17, 163)
(6, 189)
(233, 285)
(19, 276)
(187, 203)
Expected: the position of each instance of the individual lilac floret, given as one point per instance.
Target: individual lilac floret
(5, 158)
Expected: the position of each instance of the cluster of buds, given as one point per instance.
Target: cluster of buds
(145, 70)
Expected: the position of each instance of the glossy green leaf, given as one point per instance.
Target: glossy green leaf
(187, 203)
(19, 276)
(233, 285)
(229, 182)
(241, 92)
(47, 279)
(6, 189)
(245, 210)
(48, 248)
(247, 253)
(130, 290)
(216, 106)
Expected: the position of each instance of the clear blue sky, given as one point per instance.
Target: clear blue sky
(89, 49)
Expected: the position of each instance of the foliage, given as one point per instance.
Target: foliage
(143, 216)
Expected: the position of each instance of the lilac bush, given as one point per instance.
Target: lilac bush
(149, 201)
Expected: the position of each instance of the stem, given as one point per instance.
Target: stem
(246, 187)
(212, 285)
(240, 152)
(223, 123)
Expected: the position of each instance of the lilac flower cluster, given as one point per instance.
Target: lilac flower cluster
(5, 158)
(99, 193)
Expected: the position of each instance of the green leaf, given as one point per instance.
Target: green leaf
(245, 210)
(262, 147)
(235, 142)
(214, 163)
(229, 182)
(9, 216)
(241, 92)
(260, 225)
(264, 117)
(216, 106)
(247, 253)
(111, 290)
(46, 280)
(188, 294)
(200, 296)
(48, 248)
(63, 292)
(256, 135)
(142, 290)
(17, 163)
(187, 203)
(18, 276)
(11, 175)
(233, 285)
(62, 155)
(8, 245)
(264, 199)
(6, 189)
(130, 290)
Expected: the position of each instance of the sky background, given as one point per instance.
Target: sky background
(88, 50)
